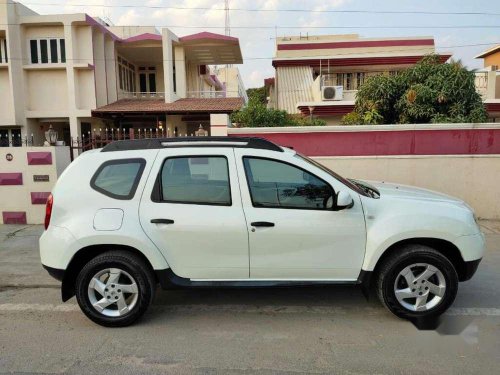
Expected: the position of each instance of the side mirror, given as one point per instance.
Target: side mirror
(344, 201)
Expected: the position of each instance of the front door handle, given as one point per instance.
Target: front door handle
(162, 221)
(262, 224)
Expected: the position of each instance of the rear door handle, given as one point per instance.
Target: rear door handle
(262, 224)
(162, 221)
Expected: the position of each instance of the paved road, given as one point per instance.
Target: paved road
(279, 331)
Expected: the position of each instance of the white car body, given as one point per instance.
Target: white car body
(219, 244)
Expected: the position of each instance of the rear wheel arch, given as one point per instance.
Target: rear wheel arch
(83, 256)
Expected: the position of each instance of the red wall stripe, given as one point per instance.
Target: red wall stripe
(373, 143)
(39, 158)
(14, 217)
(356, 44)
(39, 197)
(11, 178)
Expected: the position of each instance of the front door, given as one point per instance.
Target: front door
(191, 210)
(294, 233)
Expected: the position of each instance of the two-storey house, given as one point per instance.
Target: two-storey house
(319, 75)
(76, 73)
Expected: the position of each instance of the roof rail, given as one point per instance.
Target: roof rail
(157, 143)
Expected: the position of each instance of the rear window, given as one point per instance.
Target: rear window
(118, 178)
(196, 180)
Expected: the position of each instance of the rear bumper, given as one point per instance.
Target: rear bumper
(56, 273)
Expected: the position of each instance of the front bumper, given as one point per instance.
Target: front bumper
(471, 247)
(469, 270)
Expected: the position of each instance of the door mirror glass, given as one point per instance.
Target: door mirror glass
(329, 203)
(344, 201)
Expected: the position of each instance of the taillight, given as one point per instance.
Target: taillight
(48, 210)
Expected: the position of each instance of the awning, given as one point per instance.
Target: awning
(210, 48)
(179, 107)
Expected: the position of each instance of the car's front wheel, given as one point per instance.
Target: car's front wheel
(416, 282)
(115, 288)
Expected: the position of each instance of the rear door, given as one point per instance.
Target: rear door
(191, 209)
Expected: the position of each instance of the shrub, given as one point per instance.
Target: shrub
(428, 92)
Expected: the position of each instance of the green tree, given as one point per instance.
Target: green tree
(258, 93)
(429, 92)
(255, 114)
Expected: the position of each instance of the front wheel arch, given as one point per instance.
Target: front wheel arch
(446, 248)
(83, 256)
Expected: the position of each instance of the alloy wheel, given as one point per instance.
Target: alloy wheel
(420, 287)
(113, 292)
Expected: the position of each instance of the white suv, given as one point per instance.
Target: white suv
(244, 212)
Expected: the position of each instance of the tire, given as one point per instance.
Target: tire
(115, 270)
(395, 285)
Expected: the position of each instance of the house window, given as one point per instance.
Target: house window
(62, 46)
(126, 75)
(47, 50)
(44, 51)
(348, 81)
(147, 79)
(360, 79)
(3, 51)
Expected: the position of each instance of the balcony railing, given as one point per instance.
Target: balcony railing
(206, 94)
(141, 95)
(481, 83)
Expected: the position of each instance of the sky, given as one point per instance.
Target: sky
(257, 31)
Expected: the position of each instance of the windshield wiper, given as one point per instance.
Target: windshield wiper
(372, 192)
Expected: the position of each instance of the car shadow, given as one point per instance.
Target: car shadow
(340, 299)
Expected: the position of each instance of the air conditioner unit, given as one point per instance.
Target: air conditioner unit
(332, 93)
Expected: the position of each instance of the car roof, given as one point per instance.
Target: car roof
(159, 143)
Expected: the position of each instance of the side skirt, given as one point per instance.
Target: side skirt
(169, 280)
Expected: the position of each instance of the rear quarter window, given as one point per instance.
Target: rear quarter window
(118, 179)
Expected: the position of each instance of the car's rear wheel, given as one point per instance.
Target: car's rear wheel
(115, 288)
(416, 282)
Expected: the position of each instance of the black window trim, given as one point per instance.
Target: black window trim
(135, 184)
(334, 195)
(157, 193)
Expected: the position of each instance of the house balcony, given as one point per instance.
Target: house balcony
(487, 82)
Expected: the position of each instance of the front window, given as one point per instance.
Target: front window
(338, 177)
(275, 184)
(47, 50)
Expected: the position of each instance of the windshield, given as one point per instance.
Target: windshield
(357, 188)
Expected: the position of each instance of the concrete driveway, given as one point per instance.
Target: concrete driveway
(276, 331)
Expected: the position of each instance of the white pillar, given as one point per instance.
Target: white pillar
(219, 122)
(180, 71)
(168, 38)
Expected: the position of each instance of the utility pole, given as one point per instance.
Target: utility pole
(227, 26)
(227, 21)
